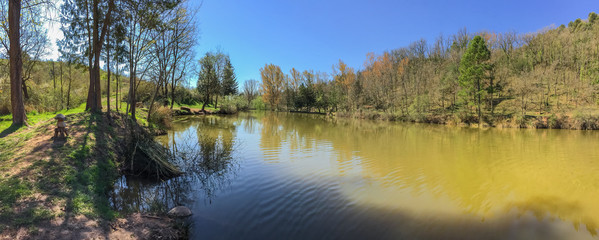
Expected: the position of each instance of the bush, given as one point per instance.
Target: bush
(162, 116)
(584, 122)
(233, 104)
(186, 96)
(258, 103)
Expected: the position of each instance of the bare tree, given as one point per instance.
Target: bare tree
(250, 90)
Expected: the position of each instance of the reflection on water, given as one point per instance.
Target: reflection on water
(202, 148)
(278, 175)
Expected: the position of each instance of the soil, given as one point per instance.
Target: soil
(135, 226)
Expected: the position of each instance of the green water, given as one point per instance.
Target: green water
(297, 176)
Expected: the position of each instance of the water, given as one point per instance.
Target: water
(297, 176)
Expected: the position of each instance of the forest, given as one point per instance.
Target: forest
(546, 79)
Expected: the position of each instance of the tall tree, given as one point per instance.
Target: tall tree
(272, 84)
(229, 83)
(89, 24)
(344, 79)
(70, 47)
(172, 50)
(473, 71)
(16, 63)
(250, 90)
(94, 95)
(208, 78)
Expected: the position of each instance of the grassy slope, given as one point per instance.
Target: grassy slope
(44, 179)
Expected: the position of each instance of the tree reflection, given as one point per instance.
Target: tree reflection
(202, 148)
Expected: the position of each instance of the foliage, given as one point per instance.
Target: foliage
(272, 85)
(233, 104)
(501, 75)
(162, 116)
(473, 71)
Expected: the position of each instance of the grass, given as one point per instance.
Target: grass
(34, 117)
(73, 177)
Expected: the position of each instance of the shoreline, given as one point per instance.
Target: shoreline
(554, 121)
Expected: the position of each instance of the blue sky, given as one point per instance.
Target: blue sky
(315, 34)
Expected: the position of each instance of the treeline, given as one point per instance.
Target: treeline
(552, 73)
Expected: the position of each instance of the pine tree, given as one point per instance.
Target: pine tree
(473, 70)
(229, 84)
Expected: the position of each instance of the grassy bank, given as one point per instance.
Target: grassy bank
(582, 119)
(57, 188)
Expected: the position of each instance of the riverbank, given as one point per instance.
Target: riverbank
(57, 188)
(576, 120)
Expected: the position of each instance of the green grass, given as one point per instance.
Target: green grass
(35, 117)
(75, 175)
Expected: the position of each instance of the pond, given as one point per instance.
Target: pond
(267, 175)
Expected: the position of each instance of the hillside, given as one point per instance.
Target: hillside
(544, 79)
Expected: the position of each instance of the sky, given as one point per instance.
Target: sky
(315, 34)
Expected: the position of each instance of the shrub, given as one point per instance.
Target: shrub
(162, 116)
(233, 104)
(258, 103)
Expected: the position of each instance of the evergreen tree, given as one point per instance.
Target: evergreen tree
(473, 70)
(229, 82)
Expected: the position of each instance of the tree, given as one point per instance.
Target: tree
(272, 84)
(229, 83)
(473, 71)
(139, 38)
(184, 40)
(25, 41)
(208, 78)
(173, 42)
(344, 78)
(33, 39)
(250, 90)
(16, 63)
(89, 24)
(70, 46)
(94, 97)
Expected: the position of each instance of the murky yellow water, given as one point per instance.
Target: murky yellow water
(306, 176)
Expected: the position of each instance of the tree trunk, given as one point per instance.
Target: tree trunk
(16, 63)
(492, 92)
(131, 102)
(25, 92)
(118, 88)
(158, 85)
(216, 102)
(61, 88)
(69, 88)
(94, 100)
(478, 102)
(206, 99)
(54, 76)
(108, 79)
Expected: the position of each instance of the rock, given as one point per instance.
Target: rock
(180, 211)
